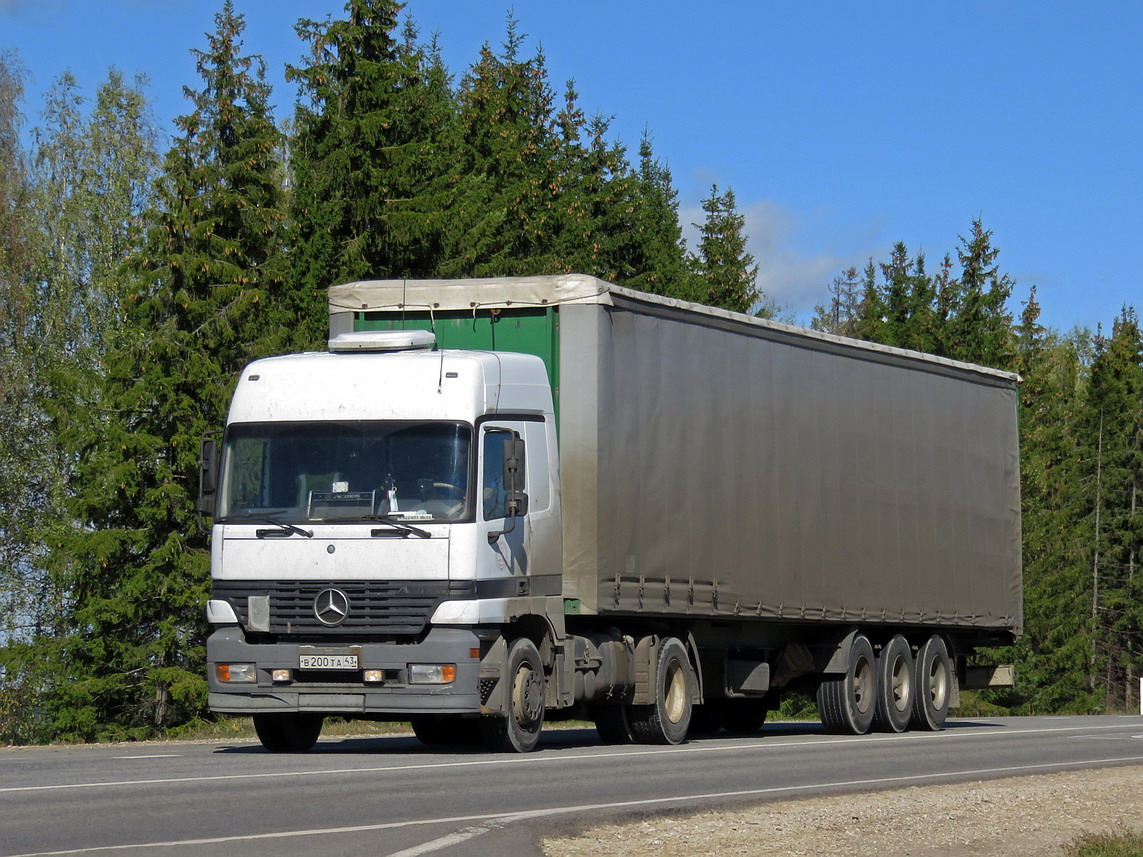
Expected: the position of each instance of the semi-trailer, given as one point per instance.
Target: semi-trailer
(491, 502)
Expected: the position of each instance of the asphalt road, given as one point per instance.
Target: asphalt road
(391, 796)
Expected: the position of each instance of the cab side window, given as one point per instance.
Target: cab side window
(493, 487)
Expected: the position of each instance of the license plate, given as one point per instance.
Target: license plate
(327, 662)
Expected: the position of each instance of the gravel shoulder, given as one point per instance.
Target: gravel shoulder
(1015, 817)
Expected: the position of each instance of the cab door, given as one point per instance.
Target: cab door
(504, 539)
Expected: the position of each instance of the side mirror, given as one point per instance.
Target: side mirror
(515, 500)
(514, 463)
(207, 477)
(516, 503)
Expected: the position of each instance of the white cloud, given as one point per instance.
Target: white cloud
(798, 255)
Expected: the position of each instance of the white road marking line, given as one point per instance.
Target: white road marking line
(541, 758)
(456, 838)
(506, 818)
(151, 756)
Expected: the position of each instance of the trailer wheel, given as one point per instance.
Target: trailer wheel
(442, 730)
(846, 702)
(895, 686)
(744, 716)
(612, 725)
(519, 730)
(667, 719)
(934, 685)
(288, 733)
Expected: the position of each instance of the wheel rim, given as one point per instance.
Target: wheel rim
(901, 683)
(675, 692)
(938, 683)
(864, 685)
(527, 696)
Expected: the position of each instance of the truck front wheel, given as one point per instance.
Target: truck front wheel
(667, 719)
(519, 730)
(288, 733)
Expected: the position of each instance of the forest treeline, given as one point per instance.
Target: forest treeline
(137, 277)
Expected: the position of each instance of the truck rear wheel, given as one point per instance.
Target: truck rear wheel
(895, 686)
(288, 733)
(667, 719)
(933, 672)
(846, 702)
(519, 730)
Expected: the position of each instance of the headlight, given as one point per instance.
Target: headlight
(432, 673)
(232, 673)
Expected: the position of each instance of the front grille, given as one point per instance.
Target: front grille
(390, 608)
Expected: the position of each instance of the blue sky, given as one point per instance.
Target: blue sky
(842, 127)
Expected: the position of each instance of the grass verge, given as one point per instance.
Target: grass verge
(1123, 843)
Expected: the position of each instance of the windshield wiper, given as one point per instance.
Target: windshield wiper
(264, 518)
(398, 524)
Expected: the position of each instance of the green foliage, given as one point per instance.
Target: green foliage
(964, 318)
(840, 315)
(507, 215)
(1081, 431)
(369, 158)
(1124, 843)
(199, 308)
(726, 274)
(128, 305)
(660, 265)
(20, 427)
(1110, 512)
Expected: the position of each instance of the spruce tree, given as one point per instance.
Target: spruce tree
(1053, 657)
(369, 158)
(594, 230)
(727, 275)
(1112, 449)
(505, 216)
(203, 281)
(661, 266)
(840, 315)
(981, 329)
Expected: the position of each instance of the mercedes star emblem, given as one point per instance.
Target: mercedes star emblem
(331, 606)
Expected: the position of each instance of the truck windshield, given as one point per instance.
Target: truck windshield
(346, 471)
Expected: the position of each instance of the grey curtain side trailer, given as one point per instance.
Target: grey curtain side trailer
(715, 464)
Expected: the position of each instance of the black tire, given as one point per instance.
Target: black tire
(288, 733)
(933, 685)
(667, 719)
(611, 724)
(743, 716)
(895, 686)
(440, 730)
(846, 702)
(519, 730)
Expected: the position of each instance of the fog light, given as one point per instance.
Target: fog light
(236, 672)
(280, 675)
(432, 673)
(375, 675)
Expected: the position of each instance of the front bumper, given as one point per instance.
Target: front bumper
(347, 694)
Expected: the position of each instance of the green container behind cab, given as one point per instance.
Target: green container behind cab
(524, 330)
